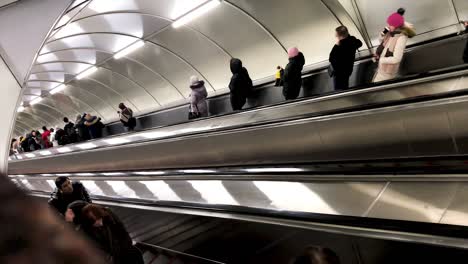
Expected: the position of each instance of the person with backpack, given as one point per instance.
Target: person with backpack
(61, 137)
(292, 79)
(126, 117)
(342, 57)
(94, 125)
(198, 104)
(241, 85)
(70, 130)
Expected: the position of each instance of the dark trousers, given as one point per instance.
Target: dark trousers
(237, 102)
(341, 82)
(278, 82)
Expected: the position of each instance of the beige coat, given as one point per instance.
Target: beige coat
(390, 66)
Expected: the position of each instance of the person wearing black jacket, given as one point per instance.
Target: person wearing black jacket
(342, 57)
(465, 54)
(109, 235)
(292, 78)
(66, 193)
(240, 86)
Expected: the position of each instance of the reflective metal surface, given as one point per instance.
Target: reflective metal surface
(425, 202)
(308, 139)
(258, 32)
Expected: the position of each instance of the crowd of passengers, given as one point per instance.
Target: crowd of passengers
(86, 127)
(71, 201)
(388, 55)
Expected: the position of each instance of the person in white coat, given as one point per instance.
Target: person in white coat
(390, 52)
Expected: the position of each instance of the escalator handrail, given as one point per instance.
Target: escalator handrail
(440, 74)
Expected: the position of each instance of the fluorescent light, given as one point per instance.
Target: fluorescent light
(29, 155)
(19, 157)
(149, 173)
(35, 100)
(86, 73)
(274, 170)
(47, 175)
(203, 9)
(63, 174)
(124, 52)
(86, 146)
(64, 149)
(116, 141)
(58, 89)
(21, 109)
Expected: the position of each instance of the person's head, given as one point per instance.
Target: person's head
(65, 119)
(33, 133)
(341, 32)
(293, 52)
(194, 79)
(74, 212)
(88, 117)
(236, 65)
(278, 68)
(317, 255)
(94, 215)
(122, 106)
(395, 21)
(44, 128)
(64, 184)
(52, 130)
(14, 140)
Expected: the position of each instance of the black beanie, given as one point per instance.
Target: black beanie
(401, 11)
(77, 207)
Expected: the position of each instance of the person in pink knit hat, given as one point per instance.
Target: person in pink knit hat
(391, 50)
(292, 79)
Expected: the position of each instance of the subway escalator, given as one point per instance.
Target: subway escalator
(234, 131)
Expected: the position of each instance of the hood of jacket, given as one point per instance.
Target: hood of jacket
(407, 31)
(197, 85)
(236, 66)
(299, 59)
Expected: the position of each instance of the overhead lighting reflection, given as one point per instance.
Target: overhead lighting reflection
(293, 196)
(92, 187)
(113, 173)
(149, 173)
(87, 146)
(129, 49)
(214, 192)
(63, 174)
(21, 108)
(153, 135)
(47, 175)
(45, 153)
(122, 189)
(51, 184)
(58, 89)
(161, 190)
(196, 13)
(84, 174)
(256, 170)
(36, 100)
(30, 155)
(197, 171)
(116, 141)
(64, 150)
(86, 73)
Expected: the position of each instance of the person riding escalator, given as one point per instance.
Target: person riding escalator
(465, 54)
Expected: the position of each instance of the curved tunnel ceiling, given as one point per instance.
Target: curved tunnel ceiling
(157, 75)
